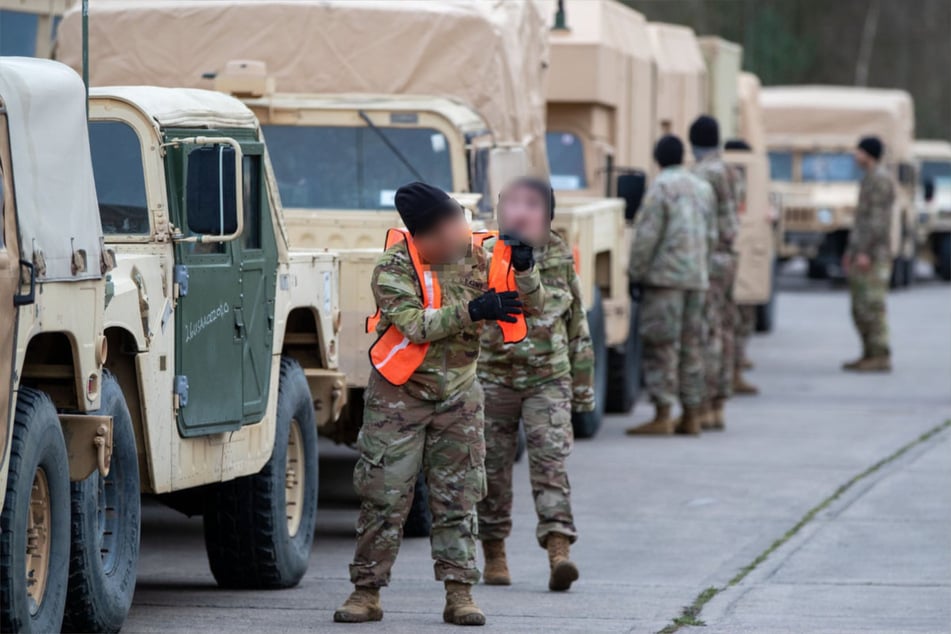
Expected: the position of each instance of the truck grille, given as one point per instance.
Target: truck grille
(799, 216)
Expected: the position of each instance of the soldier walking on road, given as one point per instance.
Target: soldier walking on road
(720, 310)
(539, 380)
(867, 259)
(424, 404)
(674, 234)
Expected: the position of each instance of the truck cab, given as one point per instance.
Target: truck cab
(933, 202)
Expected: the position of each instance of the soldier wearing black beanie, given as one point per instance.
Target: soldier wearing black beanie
(422, 206)
(669, 151)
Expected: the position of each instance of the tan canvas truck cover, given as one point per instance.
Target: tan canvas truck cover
(681, 87)
(489, 54)
(55, 190)
(724, 60)
(751, 124)
(599, 85)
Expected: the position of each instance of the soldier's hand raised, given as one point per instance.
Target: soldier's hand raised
(498, 306)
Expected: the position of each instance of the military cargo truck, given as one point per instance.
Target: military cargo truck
(680, 89)
(811, 133)
(223, 341)
(933, 202)
(56, 414)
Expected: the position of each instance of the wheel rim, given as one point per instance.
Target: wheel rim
(294, 478)
(108, 515)
(39, 523)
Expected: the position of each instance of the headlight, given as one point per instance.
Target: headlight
(824, 216)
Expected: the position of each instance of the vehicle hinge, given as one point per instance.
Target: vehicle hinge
(180, 389)
(180, 277)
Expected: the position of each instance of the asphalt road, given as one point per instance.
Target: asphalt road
(820, 502)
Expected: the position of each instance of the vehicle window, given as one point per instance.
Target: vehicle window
(120, 180)
(829, 167)
(780, 166)
(566, 160)
(251, 180)
(18, 33)
(937, 171)
(337, 167)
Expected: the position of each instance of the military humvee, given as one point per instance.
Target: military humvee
(56, 426)
(933, 202)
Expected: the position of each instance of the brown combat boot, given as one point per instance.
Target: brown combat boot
(361, 606)
(690, 422)
(662, 425)
(740, 386)
(563, 571)
(880, 363)
(460, 608)
(717, 418)
(496, 567)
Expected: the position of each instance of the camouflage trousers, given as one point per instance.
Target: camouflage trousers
(545, 411)
(868, 290)
(671, 329)
(745, 323)
(720, 317)
(400, 434)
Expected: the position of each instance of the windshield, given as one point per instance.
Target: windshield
(565, 160)
(780, 166)
(827, 167)
(351, 167)
(937, 171)
(120, 181)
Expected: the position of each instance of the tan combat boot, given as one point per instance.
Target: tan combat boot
(740, 386)
(717, 418)
(690, 422)
(705, 415)
(460, 608)
(563, 570)
(662, 425)
(881, 363)
(361, 606)
(496, 567)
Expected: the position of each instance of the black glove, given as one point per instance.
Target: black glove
(523, 257)
(498, 306)
(635, 289)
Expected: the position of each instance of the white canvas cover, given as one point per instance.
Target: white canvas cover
(489, 54)
(183, 107)
(836, 116)
(57, 210)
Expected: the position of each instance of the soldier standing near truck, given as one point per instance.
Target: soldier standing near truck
(674, 234)
(539, 380)
(720, 309)
(424, 404)
(867, 260)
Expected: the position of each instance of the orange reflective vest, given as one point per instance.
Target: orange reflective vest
(393, 355)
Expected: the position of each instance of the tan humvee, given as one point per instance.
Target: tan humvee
(52, 266)
(811, 133)
(933, 162)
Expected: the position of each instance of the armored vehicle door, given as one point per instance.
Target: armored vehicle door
(9, 283)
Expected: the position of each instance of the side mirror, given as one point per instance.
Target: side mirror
(929, 190)
(906, 174)
(631, 186)
(213, 190)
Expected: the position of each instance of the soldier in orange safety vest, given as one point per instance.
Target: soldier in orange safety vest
(423, 403)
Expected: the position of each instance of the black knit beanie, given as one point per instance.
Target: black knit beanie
(540, 185)
(705, 132)
(422, 206)
(668, 151)
(872, 146)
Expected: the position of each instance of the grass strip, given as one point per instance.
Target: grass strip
(690, 615)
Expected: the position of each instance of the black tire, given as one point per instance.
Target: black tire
(624, 370)
(105, 529)
(942, 254)
(898, 273)
(419, 522)
(817, 269)
(38, 448)
(248, 537)
(587, 424)
(766, 313)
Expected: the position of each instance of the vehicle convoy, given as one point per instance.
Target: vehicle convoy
(56, 426)
(933, 202)
(811, 133)
(386, 127)
(223, 342)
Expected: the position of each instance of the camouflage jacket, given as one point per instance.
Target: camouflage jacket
(713, 169)
(673, 232)
(871, 232)
(450, 363)
(558, 342)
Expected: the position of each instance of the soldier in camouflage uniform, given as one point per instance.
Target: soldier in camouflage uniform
(720, 309)
(434, 420)
(540, 380)
(674, 233)
(868, 261)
